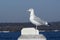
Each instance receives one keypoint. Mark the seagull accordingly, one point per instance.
(36, 20)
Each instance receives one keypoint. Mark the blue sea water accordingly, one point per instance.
(15, 35)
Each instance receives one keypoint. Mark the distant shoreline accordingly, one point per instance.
(19, 26)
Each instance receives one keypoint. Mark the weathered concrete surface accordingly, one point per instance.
(31, 34)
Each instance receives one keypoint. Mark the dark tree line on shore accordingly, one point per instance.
(18, 26)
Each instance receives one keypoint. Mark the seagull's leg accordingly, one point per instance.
(36, 26)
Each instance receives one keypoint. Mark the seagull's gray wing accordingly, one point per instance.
(39, 20)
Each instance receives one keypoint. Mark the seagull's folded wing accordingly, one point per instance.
(39, 20)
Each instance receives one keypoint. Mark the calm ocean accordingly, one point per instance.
(15, 35)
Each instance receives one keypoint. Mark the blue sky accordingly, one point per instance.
(15, 10)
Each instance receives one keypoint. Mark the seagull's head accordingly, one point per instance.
(31, 9)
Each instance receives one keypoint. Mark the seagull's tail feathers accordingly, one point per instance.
(47, 24)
